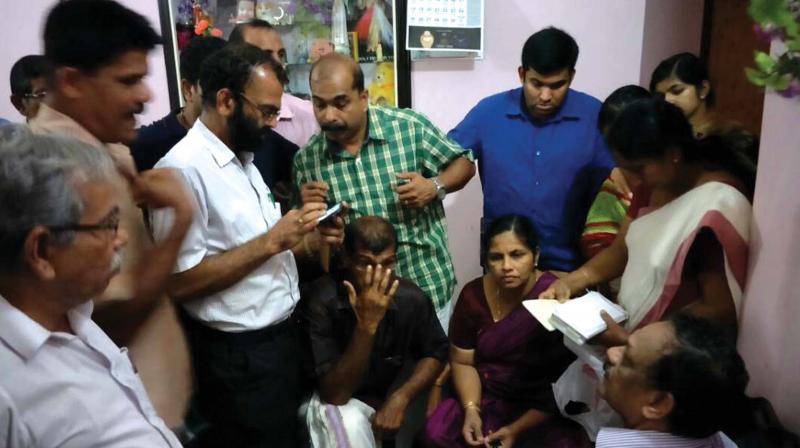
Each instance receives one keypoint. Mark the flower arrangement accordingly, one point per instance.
(777, 19)
(203, 21)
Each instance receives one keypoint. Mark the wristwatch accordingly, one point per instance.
(440, 190)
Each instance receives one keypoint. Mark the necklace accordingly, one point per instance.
(496, 306)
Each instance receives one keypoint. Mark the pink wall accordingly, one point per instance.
(21, 34)
(670, 27)
(615, 39)
(770, 333)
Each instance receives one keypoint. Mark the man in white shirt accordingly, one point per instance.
(676, 383)
(296, 121)
(63, 382)
(236, 275)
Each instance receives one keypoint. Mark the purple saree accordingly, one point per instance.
(517, 360)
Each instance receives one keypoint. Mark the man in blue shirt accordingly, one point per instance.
(539, 151)
(156, 139)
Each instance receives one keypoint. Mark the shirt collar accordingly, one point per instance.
(26, 336)
(568, 111)
(613, 437)
(287, 107)
(374, 132)
(221, 153)
(50, 120)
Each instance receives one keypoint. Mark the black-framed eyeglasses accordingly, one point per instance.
(35, 95)
(269, 112)
(110, 226)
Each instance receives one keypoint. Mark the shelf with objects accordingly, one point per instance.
(370, 31)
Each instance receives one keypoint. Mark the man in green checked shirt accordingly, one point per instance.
(387, 162)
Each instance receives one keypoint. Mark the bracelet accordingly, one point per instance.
(472, 405)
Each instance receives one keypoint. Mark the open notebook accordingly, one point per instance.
(579, 319)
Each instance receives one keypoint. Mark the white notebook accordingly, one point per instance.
(579, 319)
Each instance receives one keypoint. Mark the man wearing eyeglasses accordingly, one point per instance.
(236, 276)
(29, 84)
(63, 382)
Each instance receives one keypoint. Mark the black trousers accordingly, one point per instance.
(247, 385)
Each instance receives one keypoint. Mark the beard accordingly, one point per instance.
(245, 133)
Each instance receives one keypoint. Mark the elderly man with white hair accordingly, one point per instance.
(63, 382)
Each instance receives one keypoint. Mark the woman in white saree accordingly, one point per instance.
(690, 254)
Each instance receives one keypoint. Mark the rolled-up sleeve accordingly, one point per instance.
(437, 150)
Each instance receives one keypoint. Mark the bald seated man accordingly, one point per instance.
(363, 324)
(387, 162)
(675, 383)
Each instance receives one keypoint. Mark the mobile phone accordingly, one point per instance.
(331, 214)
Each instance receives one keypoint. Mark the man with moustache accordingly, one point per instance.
(392, 163)
(98, 51)
(236, 276)
(363, 325)
(675, 383)
(63, 382)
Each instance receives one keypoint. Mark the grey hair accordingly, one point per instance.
(39, 180)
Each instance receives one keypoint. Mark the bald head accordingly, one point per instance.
(337, 67)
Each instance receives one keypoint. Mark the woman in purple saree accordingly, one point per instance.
(503, 361)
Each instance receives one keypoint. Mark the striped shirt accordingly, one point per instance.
(632, 438)
(398, 140)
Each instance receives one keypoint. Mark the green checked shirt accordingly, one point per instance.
(398, 140)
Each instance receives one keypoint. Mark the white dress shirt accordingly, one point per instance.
(633, 438)
(71, 390)
(234, 206)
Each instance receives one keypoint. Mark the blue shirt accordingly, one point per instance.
(549, 170)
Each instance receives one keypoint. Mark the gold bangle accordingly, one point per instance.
(472, 405)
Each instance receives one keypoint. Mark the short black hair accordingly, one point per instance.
(704, 374)
(231, 68)
(237, 34)
(687, 68)
(195, 53)
(28, 68)
(89, 34)
(549, 51)
(616, 102)
(372, 233)
(519, 225)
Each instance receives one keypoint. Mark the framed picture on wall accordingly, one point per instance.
(370, 31)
